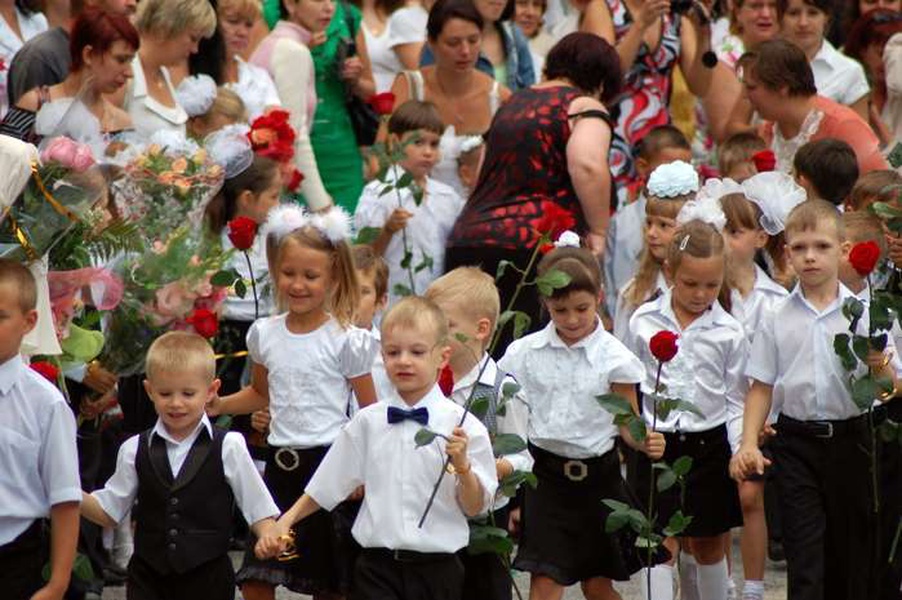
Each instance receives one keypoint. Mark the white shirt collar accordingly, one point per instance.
(764, 282)
(10, 371)
(827, 54)
(713, 317)
(433, 396)
(160, 429)
(841, 296)
(488, 374)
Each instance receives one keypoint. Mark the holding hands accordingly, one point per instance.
(748, 461)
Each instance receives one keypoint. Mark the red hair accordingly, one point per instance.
(874, 27)
(99, 30)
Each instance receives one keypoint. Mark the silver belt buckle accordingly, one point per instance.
(287, 459)
(827, 434)
(576, 470)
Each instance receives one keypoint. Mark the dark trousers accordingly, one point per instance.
(21, 563)
(213, 580)
(825, 499)
(378, 575)
(485, 575)
(888, 575)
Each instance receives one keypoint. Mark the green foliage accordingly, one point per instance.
(87, 241)
(889, 214)
(677, 524)
(368, 235)
(81, 569)
(841, 346)
(853, 310)
(550, 281)
(665, 406)
(521, 322)
(401, 290)
(480, 407)
(507, 443)
(487, 539)
(426, 263)
(424, 437)
(868, 388)
(509, 485)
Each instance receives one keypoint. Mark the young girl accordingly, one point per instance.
(562, 368)
(306, 361)
(708, 371)
(209, 108)
(669, 187)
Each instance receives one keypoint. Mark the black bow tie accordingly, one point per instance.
(397, 415)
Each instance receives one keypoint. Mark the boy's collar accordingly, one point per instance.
(160, 429)
(10, 371)
(488, 374)
(433, 395)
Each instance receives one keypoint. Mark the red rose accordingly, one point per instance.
(765, 160)
(553, 220)
(272, 136)
(663, 345)
(294, 180)
(382, 103)
(205, 322)
(446, 380)
(242, 231)
(864, 257)
(47, 370)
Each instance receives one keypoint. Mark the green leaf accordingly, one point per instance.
(860, 347)
(852, 310)
(682, 466)
(889, 431)
(652, 541)
(666, 480)
(677, 524)
(404, 181)
(615, 404)
(462, 338)
(550, 281)
(424, 437)
(81, 569)
(864, 391)
(240, 288)
(637, 429)
(401, 290)
(616, 521)
(417, 193)
(615, 505)
(878, 342)
(507, 443)
(386, 190)
(368, 235)
(638, 521)
(224, 278)
(841, 342)
(504, 317)
(407, 260)
(502, 267)
(426, 263)
(479, 407)
(485, 539)
(880, 312)
(521, 324)
(512, 482)
(510, 389)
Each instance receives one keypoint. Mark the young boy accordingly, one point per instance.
(734, 156)
(824, 475)
(400, 559)
(877, 186)
(372, 273)
(186, 476)
(827, 169)
(663, 144)
(469, 299)
(38, 457)
(422, 225)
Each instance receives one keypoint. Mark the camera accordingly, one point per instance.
(680, 7)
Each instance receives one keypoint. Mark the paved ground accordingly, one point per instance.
(775, 585)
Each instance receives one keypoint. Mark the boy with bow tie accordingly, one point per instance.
(377, 449)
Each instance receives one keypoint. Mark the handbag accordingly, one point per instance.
(364, 119)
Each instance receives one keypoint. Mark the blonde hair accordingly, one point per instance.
(649, 267)
(876, 186)
(470, 290)
(180, 352)
(699, 240)
(169, 18)
(737, 149)
(18, 275)
(863, 226)
(419, 314)
(810, 215)
(344, 296)
(248, 8)
(367, 261)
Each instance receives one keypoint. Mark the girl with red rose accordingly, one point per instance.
(708, 372)
(562, 368)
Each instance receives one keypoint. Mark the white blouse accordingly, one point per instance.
(750, 310)
(149, 115)
(308, 377)
(407, 26)
(30, 26)
(255, 88)
(708, 370)
(385, 63)
(560, 383)
(837, 76)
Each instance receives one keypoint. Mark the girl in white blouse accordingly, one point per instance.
(708, 371)
(562, 369)
(306, 362)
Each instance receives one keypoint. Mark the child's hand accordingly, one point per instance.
(765, 434)
(654, 445)
(746, 462)
(876, 360)
(456, 448)
(357, 494)
(260, 420)
(397, 220)
(893, 247)
(513, 523)
(273, 542)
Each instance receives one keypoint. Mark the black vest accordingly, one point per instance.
(186, 522)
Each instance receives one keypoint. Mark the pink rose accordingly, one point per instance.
(68, 153)
(172, 301)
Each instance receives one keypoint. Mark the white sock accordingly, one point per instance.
(661, 583)
(688, 577)
(753, 590)
(712, 581)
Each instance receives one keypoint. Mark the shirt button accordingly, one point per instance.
(171, 547)
(173, 532)
(173, 501)
(175, 516)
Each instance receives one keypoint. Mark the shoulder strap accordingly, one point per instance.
(415, 84)
(495, 97)
(594, 113)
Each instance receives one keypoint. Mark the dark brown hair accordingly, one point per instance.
(579, 264)
(366, 260)
(882, 185)
(414, 115)
(778, 63)
(588, 62)
(830, 166)
(445, 10)
(256, 179)
(825, 6)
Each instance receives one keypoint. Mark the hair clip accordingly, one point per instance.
(567, 239)
(684, 242)
(704, 209)
(196, 94)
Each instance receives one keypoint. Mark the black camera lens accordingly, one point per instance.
(680, 7)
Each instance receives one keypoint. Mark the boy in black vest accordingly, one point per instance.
(186, 476)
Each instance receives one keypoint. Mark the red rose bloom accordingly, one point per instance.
(446, 380)
(553, 220)
(864, 257)
(293, 180)
(205, 322)
(382, 103)
(663, 345)
(765, 160)
(47, 370)
(272, 136)
(242, 231)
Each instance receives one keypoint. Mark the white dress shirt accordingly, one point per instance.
(837, 76)
(119, 493)
(793, 352)
(10, 43)
(560, 383)
(708, 370)
(384, 62)
(407, 25)
(381, 382)
(427, 230)
(399, 476)
(623, 246)
(625, 310)
(751, 309)
(38, 458)
(148, 115)
(515, 419)
(308, 377)
(255, 88)
(242, 309)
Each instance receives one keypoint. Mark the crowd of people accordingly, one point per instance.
(397, 297)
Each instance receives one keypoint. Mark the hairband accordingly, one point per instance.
(231, 149)
(196, 94)
(704, 209)
(334, 224)
(776, 194)
(568, 239)
(672, 180)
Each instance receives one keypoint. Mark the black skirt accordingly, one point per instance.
(710, 497)
(563, 521)
(326, 550)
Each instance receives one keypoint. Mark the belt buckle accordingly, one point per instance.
(576, 470)
(292, 463)
(828, 434)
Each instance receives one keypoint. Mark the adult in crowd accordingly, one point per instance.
(651, 41)
(546, 152)
(407, 32)
(529, 17)
(44, 59)
(750, 23)
(589, 16)
(103, 48)
(504, 53)
(285, 56)
(866, 43)
(383, 59)
(779, 84)
(466, 98)
(170, 32)
(838, 77)
(18, 24)
(892, 60)
(852, 10)
(221, 56)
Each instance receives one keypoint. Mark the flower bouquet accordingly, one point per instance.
(62, 188)
(172, 285)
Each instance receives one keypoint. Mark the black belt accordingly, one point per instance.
(408, 556)
(891, 410)
(577, 470)
(708, 435)
(821, 429)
